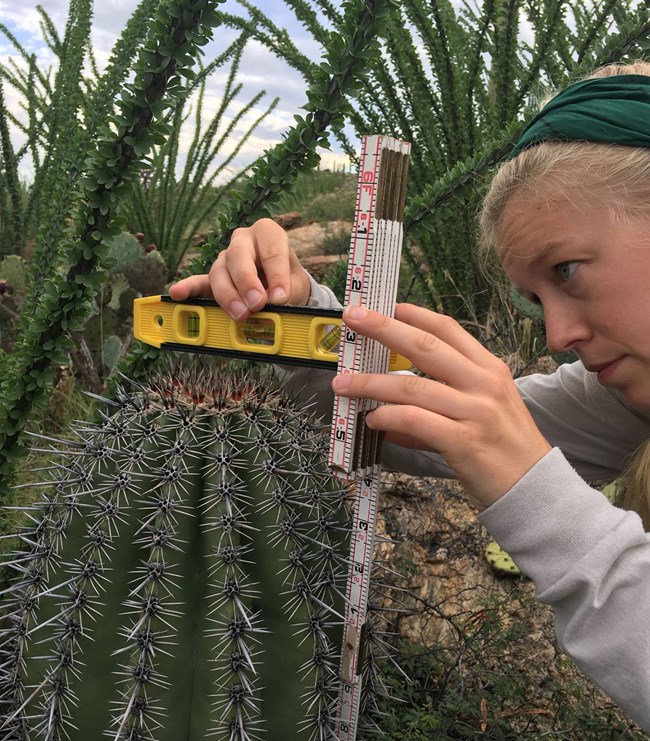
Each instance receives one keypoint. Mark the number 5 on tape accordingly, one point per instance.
(373, 271)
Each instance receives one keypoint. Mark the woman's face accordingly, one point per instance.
(590, 271)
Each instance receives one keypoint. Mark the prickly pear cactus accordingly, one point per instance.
(183, 575)
(124, 250)
(111, 351)
(524, 306)
(14, 272)
(149, 275)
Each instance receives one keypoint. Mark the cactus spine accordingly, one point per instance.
(182, 575)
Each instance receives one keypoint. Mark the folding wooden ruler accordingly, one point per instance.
(373, 272)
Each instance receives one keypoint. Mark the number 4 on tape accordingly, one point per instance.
(373, 272)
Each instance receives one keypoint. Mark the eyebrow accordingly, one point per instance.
(542, 253)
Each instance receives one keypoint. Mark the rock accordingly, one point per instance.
(319, 265)
(290, 220)
(311, 240)
(436, 545)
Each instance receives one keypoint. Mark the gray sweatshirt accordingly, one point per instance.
(588, 559)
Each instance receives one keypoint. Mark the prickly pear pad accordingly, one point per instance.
(183, 575)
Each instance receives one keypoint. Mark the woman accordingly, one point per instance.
(568, 216)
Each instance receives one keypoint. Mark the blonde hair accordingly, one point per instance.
(613, 176)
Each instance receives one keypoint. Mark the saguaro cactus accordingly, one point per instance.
(182, 576)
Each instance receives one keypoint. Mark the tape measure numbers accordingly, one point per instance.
(373, 272)
(317, 337)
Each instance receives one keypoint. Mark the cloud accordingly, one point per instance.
(259, 70)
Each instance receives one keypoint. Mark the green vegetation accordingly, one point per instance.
(110, 214)
(122, 143)
(321, 195)
(455, 80)
(170, 210)
(350, 54)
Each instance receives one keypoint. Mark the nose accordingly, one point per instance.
(565, 328)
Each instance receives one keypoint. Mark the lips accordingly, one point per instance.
(597, 367)
(604, 370)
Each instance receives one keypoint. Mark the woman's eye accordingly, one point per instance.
(566, 269)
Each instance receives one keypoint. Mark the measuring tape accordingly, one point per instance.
(293, 335)
(310, 337)
(373, 271)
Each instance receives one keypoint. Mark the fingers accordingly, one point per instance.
(472, 413)
(219, 286)
(404, 390)
(195, 286)
(459, 363)
(235, 282)
(446, 329)
(255, 269)
(395, 419)
(273, 255)
(258, 267)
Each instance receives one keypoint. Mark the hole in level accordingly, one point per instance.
(329, 338)
(259, 331)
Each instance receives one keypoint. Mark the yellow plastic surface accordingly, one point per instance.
(272, 333)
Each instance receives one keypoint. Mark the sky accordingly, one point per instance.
(259, 70)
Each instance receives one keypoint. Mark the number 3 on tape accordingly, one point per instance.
(373, 272)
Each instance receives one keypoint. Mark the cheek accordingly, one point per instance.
(628, 313)
(616, 307)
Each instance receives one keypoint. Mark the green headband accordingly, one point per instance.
(615, 110)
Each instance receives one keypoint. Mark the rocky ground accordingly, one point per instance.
(313, 243)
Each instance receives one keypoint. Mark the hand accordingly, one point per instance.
(468, 410)
(257, 267)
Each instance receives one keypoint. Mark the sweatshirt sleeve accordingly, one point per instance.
(590, 561)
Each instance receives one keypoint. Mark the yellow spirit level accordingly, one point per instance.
(292, 335)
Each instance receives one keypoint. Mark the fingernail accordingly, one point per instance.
(341, 382)
(252, 298)
(355, 312)
(237, 309)
(278, 294)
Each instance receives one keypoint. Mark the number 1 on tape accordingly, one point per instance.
(373, 272)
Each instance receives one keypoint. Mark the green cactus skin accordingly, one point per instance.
(524, 306)
(111, 351)
(124, 250)
(14, 271)
(100, 326)
(148, 276)
(183, 575)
